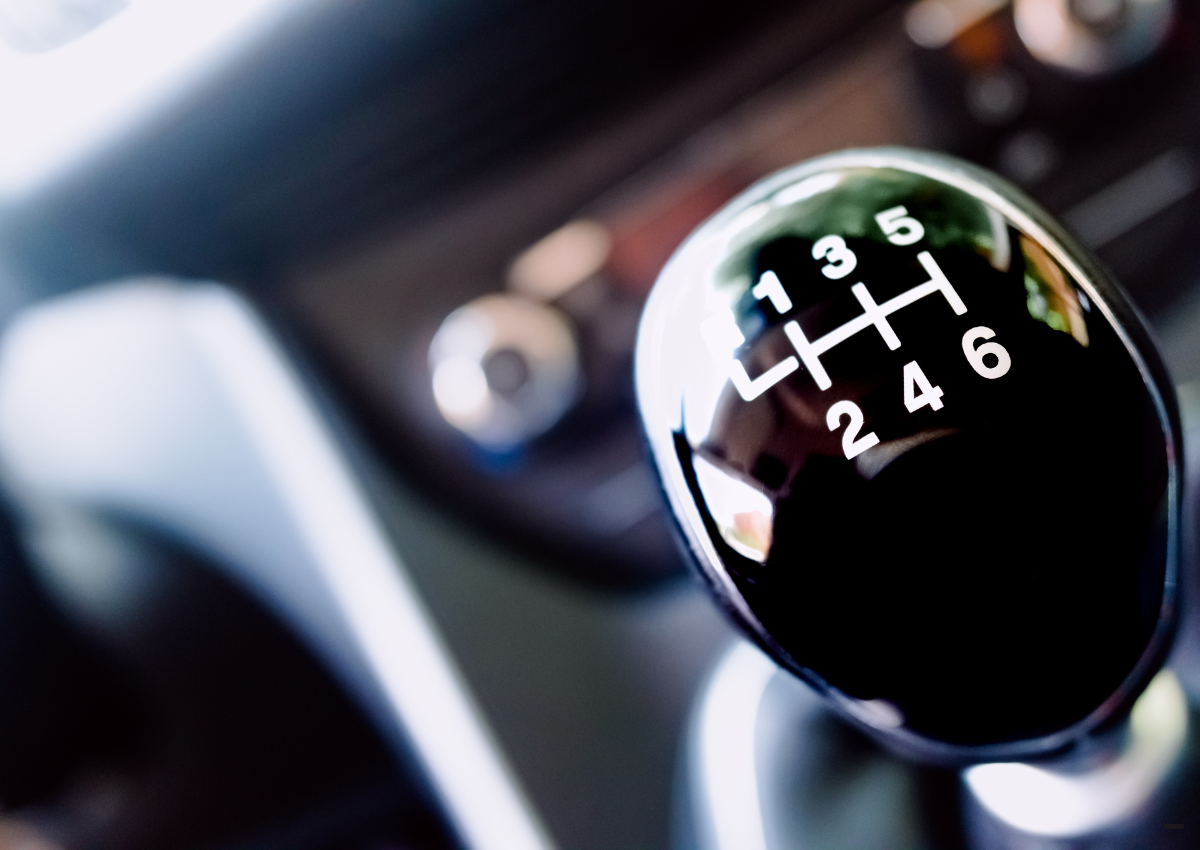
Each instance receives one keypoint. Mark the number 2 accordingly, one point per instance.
(841, 259)
(914, 379)
(852, 444)
(899, 227)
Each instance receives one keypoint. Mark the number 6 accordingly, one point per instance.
(899, 227)
(852, 444)
(975, 354)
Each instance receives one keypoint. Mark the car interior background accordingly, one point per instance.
(245, 252)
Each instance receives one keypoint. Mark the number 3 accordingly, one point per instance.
(852, 444)
(841, 259)
(899, 227)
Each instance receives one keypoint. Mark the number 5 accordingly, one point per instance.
(899, 227)
(852, 444)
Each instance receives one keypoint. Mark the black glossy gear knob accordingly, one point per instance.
(922, 449)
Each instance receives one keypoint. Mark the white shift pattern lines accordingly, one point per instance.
(719, 335)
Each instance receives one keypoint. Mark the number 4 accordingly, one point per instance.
(914, 379)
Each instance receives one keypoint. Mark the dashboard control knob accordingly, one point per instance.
(922, 450)
(504, 370)
(1092, 37)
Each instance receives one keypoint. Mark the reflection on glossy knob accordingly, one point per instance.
(921, 449)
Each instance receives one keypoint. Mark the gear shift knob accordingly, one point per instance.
(922, 450)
